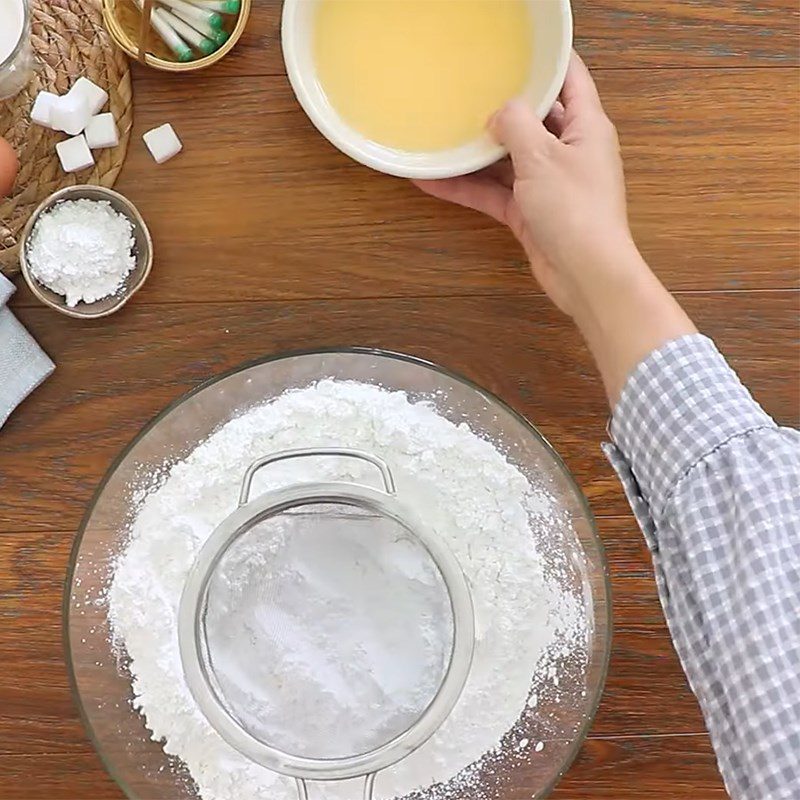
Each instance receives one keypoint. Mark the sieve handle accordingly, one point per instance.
(388, 480)
(369, 788)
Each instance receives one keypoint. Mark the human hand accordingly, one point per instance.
(561, 192)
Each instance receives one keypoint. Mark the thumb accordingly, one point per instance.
(522, 133)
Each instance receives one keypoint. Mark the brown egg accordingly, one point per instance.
(9, 164)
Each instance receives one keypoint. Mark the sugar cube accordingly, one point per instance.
(101, 132)
(70, 113)
(95, 97)
(42, 107)
(74, 154)
(163, 143)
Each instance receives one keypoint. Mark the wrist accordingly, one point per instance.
(624, 313)
(614, 273)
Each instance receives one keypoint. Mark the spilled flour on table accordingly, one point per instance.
(500, 527)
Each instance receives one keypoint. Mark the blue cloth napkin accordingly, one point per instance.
(23, 364)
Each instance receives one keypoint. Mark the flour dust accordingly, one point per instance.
(499, 525)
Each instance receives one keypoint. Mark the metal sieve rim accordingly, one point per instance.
(274, 502)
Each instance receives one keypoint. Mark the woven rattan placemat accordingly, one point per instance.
(69, 41)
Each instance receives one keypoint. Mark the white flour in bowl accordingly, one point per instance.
(350, 608)
(82, 249)
(489, 514)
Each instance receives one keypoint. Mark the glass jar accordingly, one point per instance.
(17, 68)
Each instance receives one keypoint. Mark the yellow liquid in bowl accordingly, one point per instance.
(421, 75)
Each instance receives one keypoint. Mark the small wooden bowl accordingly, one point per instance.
(123, 20)
(142, 250)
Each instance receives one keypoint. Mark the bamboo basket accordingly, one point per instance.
(131, 30)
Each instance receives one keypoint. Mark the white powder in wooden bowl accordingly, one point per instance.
(82, 249)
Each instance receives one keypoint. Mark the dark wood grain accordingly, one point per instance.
(76, 776)
(303, 220)
(656, 768)
(118, 373)
(617, 34)
(268, 239)
(681, 33)
(644, 668)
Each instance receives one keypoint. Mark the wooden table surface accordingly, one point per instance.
(268, 239)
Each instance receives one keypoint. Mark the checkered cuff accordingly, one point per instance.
(680, 404)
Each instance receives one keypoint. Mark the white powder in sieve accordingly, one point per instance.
(347, 605)
(468, 492)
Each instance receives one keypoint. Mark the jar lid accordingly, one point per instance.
(256, 558)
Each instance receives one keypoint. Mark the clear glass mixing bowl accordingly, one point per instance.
(99, 675)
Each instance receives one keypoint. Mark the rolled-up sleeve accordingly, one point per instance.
(715, 486)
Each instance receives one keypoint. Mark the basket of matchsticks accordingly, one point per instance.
(176, 35)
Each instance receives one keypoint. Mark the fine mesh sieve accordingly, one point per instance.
(272, 582)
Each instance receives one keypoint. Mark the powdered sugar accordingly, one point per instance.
(82, 249)
(482, 506)
(331, 616)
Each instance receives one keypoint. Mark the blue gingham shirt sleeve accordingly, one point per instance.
(715, 486)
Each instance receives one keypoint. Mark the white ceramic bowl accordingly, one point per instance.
(552, 43)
